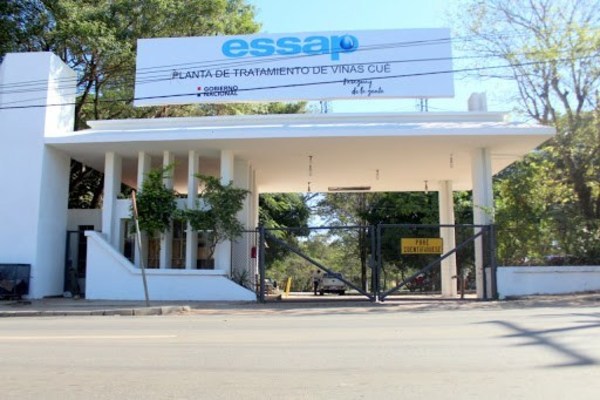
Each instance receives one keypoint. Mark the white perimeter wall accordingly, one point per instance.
(111, 276)
(523, 281)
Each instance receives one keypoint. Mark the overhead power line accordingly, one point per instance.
(221, 63)
(226, 62)
(374, 78)
(35, 85)
(128, 81)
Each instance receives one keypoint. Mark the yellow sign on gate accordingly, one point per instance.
(421, 245)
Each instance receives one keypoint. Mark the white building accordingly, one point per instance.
(445, 151)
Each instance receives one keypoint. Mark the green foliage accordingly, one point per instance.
(156, 204)
(216, 210)
(280, 211)
(548, 205)
(522, 206)
(20, 21)
(348, 250)
(321, 247)
(403, 208)
(242, 278)
(248, 108)
(98, 39)
(538, 217)
(85, 186)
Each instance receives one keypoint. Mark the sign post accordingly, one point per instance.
(139, 245)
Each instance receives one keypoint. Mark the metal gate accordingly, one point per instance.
(474, 253)
(381, 251)
(364, 282)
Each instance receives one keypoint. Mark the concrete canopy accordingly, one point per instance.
(386, 152)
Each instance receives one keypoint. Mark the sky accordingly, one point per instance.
(290, 16)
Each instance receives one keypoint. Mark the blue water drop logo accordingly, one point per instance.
(347, 42)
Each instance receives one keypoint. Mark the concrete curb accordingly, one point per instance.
(138, 311)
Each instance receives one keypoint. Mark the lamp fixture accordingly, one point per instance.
(451, 160)
(348, 188)
(426, 188)
(310, 172)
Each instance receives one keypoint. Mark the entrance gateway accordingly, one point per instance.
(393, 264)
(261, 153)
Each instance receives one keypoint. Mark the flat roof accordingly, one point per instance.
(387, 152)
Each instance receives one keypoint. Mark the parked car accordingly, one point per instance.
(331, 283)
(271, 286)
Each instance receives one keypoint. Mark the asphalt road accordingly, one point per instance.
(327, 353)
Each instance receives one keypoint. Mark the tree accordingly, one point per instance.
(156, 203)
(19, 20)
(98, 39)
(365, 209)
(521, 214)
(216, 211)
(552, 49)
(280, 211)
(350, 209)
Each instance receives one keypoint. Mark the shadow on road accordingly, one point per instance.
(539, 338)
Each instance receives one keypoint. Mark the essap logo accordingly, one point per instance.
(291, 45)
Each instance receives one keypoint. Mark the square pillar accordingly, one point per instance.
(166, 239)
(35, 176)
(144, 165)
(448, 265)
(112, 188)
(483, 205)
(223, 250)
(191, 236)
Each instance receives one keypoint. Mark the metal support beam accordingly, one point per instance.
(261, 263)
(432, 264)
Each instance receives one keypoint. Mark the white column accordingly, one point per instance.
(483, 204)
(223, 250)
(241, 247)
(166, 239)
(448, 265)
(112, 187)
(144, 165)
(191, 237)
(254, 221)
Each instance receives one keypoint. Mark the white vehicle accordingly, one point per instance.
(331, 283)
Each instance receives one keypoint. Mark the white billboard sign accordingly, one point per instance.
(407, 63)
